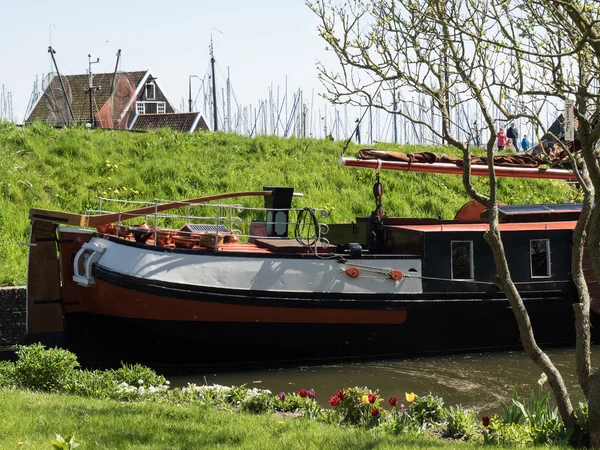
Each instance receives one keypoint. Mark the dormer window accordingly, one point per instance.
(150, 91)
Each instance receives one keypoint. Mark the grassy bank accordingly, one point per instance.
(45, 393)
(67, 169)
(34, 419)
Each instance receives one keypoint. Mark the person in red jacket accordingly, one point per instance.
(501, 139)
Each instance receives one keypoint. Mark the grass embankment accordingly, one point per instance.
(35, 418)
(67, 169)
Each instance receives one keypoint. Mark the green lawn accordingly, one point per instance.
(34, 419)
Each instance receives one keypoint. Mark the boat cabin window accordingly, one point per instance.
(539, 255)
(462, 260)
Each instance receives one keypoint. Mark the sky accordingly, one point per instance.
(261, 42)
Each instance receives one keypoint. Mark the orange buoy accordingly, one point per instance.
(396, 275)
(353, 271)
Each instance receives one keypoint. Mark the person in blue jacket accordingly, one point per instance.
(525, 144)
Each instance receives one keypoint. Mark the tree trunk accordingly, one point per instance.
(594, 410)
(533, 351)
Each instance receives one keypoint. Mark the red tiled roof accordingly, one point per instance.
(77, 85)
(175, 121)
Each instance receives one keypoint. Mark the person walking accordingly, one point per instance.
(513, 133)
(525, 144)
(501, 136)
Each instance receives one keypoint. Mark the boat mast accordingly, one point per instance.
(214, 85)
(112, 83)
(62, 86)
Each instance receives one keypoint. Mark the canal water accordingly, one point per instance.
(476, 381)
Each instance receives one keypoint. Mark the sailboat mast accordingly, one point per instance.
(214, 86)
(62, 86)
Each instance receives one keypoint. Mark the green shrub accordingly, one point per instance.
(7, 374)
(502, 433)
(401, 422)
(427, 410)
(460, 423)
(354, 408)
(136, 375)
(39, 368)
(96, 384)
(257, 401)
(512, 413)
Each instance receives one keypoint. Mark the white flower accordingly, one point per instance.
(167, 382)
(543, 379)
(140, 381)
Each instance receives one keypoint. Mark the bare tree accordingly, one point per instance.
(512, 59)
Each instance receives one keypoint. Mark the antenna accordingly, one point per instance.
(91, 88)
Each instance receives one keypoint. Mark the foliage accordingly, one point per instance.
(355, 405)
(502, 433)
(461, 423)
(401, 422)
(38, 368)
(137, 374)
(61, 443)
(427, 410)
(38, 171)
(512, 413)
(535, 422)
(535, 417)
(33, 419)
(582, 422)
(7, 374)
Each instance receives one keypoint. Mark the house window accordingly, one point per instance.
(140, 108)
(160, 107)
(462, 260)
(150, 91)
(539, 255)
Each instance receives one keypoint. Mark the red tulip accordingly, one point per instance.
(334, 401)
(485, 420)
(302, 393)
(374, 412)
(341, 394)
(393, 401)
(372, 398)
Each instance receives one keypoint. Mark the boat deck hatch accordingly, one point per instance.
(204, 228)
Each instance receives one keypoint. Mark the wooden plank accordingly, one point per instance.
(285, 245)
(57, 217)
(43, 281)
(82, 220)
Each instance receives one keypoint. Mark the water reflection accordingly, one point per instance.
(476, 381)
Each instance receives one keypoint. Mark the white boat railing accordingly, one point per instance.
(226, 216)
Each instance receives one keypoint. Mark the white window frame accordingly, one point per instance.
(548, 259)
(153, 96)
(140, 108)
(159, 106)
(471, 261)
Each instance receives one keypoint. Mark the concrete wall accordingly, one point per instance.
(12, 315)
